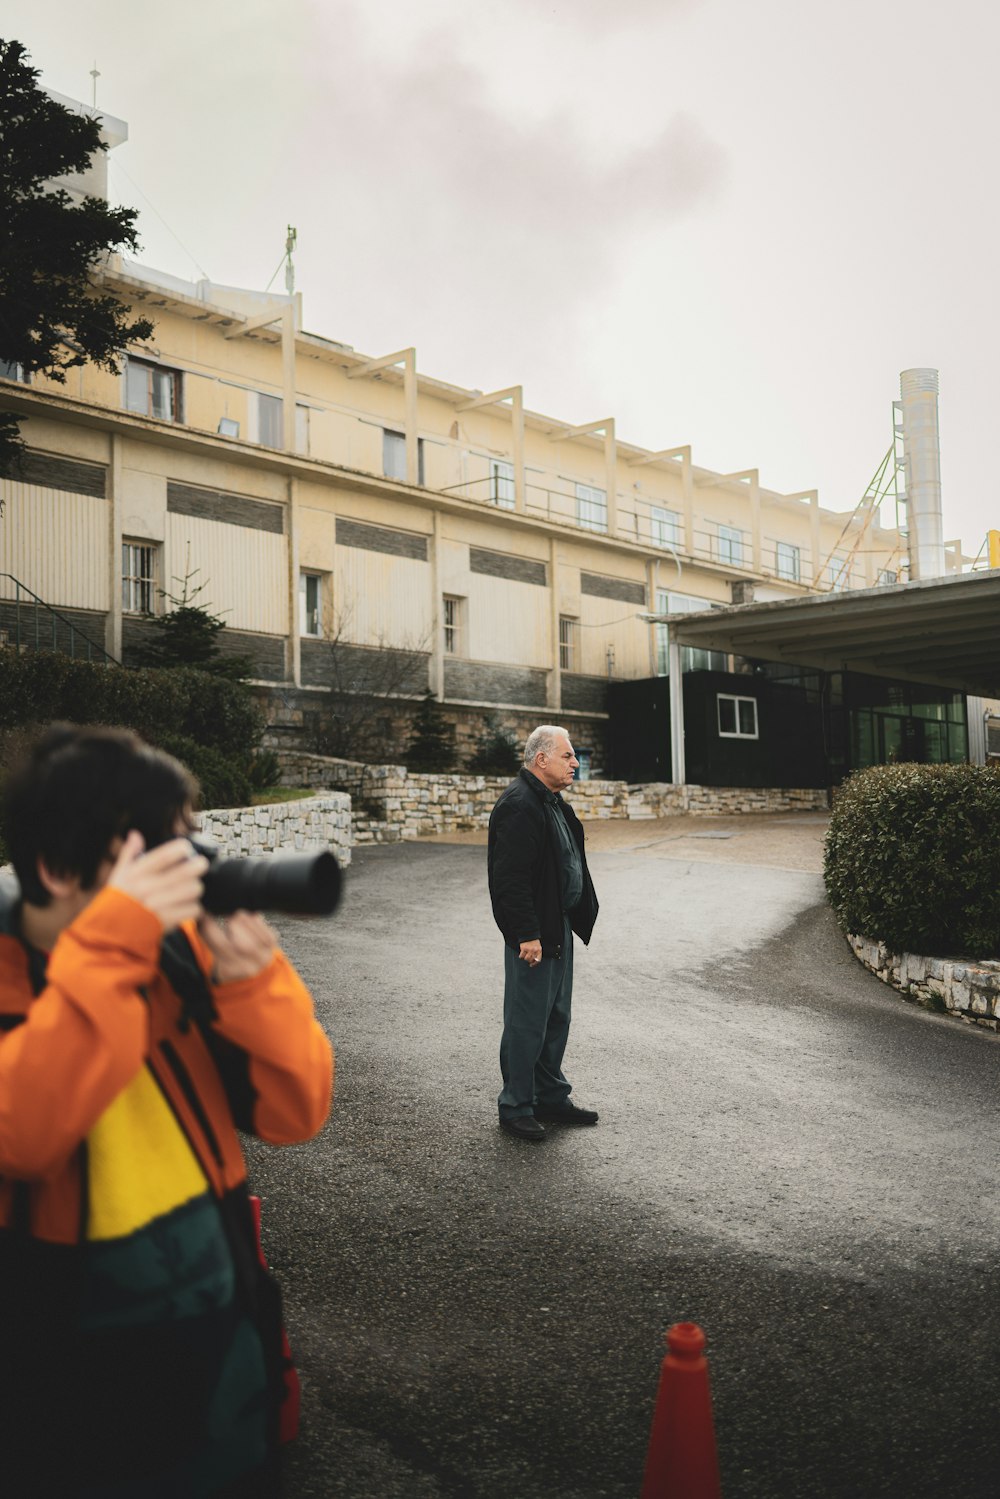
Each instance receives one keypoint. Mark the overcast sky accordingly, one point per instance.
(724, 222)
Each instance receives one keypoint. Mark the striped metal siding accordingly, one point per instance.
(508, 622)
(245, 571)
(380, 599)
(605, 622)
(56, 544)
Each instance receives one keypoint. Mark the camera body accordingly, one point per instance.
(296, 884)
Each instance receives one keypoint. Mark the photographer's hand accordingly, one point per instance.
(242, 948)
(167, 880)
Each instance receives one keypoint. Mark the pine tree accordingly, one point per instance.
(495, 754)
(188, 635)
(432, 738)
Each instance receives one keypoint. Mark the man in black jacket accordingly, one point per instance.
(542, 893)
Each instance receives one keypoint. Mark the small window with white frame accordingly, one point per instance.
(789, 562)
(737, 716)
(664, 527)
(591, 508)
(453, 619)
(567, 642)
(501, 484)
(140, 574)
(311, 604)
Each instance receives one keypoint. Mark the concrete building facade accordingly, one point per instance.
(343, 509)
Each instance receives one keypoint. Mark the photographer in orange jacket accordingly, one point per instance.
(140, 1351)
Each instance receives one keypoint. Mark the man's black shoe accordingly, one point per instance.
(523, 1127)
(566, 1113)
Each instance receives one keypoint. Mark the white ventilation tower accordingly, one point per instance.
(918, 406)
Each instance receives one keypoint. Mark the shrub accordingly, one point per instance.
(39, 686)
(495, 754)
(223, 781)
(913, 858)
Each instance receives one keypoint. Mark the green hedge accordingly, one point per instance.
(39, 686)
(913, 858)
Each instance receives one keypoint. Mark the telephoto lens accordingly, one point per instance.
(296, 884)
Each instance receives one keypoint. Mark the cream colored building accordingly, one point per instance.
(339, 501)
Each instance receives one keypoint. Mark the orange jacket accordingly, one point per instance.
(105, 1011)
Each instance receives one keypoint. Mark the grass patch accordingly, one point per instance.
(282, 794)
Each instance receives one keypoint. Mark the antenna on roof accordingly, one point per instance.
(293, 235)
(94, 75)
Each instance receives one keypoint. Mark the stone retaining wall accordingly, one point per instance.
(387, 797)
(969, 990)
(313, 822)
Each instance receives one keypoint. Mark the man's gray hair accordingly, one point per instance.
(542, 741)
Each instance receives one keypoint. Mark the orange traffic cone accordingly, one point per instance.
(681, 1462)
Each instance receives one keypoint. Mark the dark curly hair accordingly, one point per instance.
(77, 790)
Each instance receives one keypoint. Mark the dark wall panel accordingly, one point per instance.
(502, 565)
(231, 509)
(488, 682)
(622, 589)
(70, 474)
(355, 533)
(585, 694)
(355, 668)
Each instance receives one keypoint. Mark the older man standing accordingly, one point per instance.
(542, 893)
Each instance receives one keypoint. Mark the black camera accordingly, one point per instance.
(297, 884)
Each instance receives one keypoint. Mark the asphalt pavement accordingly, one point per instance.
(789, 1154)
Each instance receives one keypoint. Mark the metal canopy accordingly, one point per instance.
(945, 632)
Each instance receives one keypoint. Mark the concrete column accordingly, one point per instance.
(517, 450)
(817, 559)
(687, 489)
(555, 674)
(678, 772)
(294, 639)
(113, 625)
(755, 547)
(410, 402)
(437, 623)
(288, 379)
(611, 476)
(651, 570)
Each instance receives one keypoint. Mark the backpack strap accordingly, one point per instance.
(181, 969)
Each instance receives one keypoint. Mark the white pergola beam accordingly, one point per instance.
(683, 453)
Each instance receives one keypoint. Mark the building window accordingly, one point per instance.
(394, 456)
(310, 604)
(887, 577)
(139, 577)
(737, 716)
(664, 527)
(692, 657)
(12, 371)
(501, 484)
(730, 546)
(270, 421)
(454, 609)
(267, 422)
(567, 643)
(152, 391)
(591, 508)
(789, 560)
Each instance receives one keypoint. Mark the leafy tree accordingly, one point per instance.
(51, 318)
(189, 636)
(432, 738)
